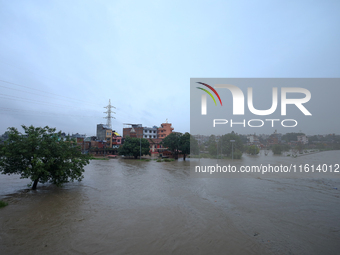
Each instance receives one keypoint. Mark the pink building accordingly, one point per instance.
(116, 138)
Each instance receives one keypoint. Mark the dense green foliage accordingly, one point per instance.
(285, 147)
(194, 147)
(181, 143)
(212, 140)
(252, 150)
(3, 203)
(212, 148)
(291, 136)
(277, 149)
(184, 144)
(224, 146)
(135, 147)
(173, 142)
(227, 145)
(41, 155)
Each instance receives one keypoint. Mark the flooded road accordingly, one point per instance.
(136, 207)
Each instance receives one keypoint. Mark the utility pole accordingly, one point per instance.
(84, 144)
(232, 149)
(109, 116)
(221, 146)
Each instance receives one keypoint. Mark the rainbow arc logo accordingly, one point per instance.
(212, 89)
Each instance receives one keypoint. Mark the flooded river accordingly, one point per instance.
(136, 207)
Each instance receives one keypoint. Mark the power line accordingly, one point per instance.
(42, 92)
(31, 112)
(34, 101)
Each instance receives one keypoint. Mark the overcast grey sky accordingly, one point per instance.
(71, 57)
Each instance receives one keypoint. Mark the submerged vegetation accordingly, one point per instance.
(94, 158)
(3, 203)
(165, 160)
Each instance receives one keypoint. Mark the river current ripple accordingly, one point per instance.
(137, 207)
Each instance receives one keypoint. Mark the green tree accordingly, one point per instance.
(194, 146)
(212, 149)
(286, 147)
(238, 154)
(212, 140)
(172, 142)
(188, 144)
(253, 150)
(291, 136)
(135, 147)
(277, 149)
(40, 154)
(227, 145)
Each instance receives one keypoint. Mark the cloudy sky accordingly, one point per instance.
(61, 61)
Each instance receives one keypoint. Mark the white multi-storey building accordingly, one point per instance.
(150, 133)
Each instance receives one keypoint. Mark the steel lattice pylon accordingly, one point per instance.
(109, 112)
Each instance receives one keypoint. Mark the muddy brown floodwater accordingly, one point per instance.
(135, 207)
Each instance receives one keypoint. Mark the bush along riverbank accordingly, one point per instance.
(3, 203)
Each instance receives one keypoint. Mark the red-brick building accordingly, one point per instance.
(154, 135)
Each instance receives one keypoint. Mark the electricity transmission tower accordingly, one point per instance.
(109, 112)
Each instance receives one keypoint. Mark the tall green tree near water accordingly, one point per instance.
(172, 142)
(181, 143)
(135, 147)
(193, 143)
(277, 149)
(188, 144)
(227, 146)
(41, 155)
(212, 148)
